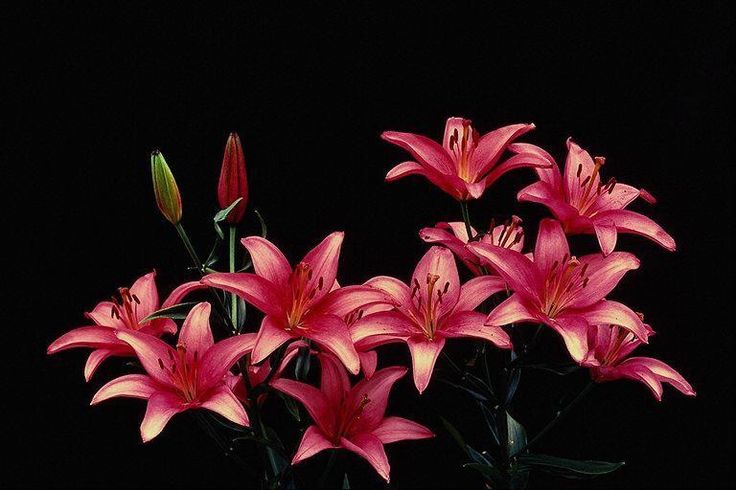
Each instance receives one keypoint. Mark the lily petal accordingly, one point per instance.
(95, 359)
(260, 292)
(608, 312)
(322, 261)
(216, 362)
(334, 382)
(268, 261)
(314, 401)
(129, 386)
(145, 290)
(332, 333)
(477, 290)
(313, 442)
(394, 429)
(551, 245)
(426, 151)
(515, 268)
(369, 447)
(94, 337)
(492, 145)
(368, 362)
(221, 400)
(437, 270)
(652, 372)
(630, 222)
(605, 231)
(344, 301)
(389, 323)
(424, 354)
(574, 332)
(471, 324)
(196, 335)
(150, 351)
(513, 309)
(161, 407)
(377, 390)
(604, 273)
(270, 337)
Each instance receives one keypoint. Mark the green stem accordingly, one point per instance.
(466, 219)
(233, 297)
(219, 305)
(560, 415)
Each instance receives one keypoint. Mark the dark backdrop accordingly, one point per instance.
(94, 88)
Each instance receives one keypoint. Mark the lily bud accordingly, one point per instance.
(167, 194)
(233, 182)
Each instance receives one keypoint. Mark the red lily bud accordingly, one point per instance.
(167, 194)
(233, 180)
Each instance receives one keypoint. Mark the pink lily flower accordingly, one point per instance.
(128, 313)
(466, 164)
(454, 235)
(193, 375)
(305, 302)
(584, 203)
(351, 418)
(559, 290)
(610, 346)
(431, 309)
(257, 374)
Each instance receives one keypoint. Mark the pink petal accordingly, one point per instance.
(181, 291)
(542, 193)
(161, 407)
(427, 152)
(399, 291)
(577, 158)
(316, 403)
(94, 337)
(471, 324)
(450, 183)
(313, 442)
(268, 261)
(394, 429)
(447, 235)
(551, 246)
(404, 169)
(492, 145)
(652, 372)
(603, 273)
(574, 331)
(322, 261)
(513, 310)
(102, 315)
(614, 313)
(369, 447)
(389, 323)
(605, 231)
(424, 354)
(196, 335)
(438, 264)
(145, 290)
(260, 292)
(150, 351)
(515, 268)
(216, 362)
(95, 359)
(522, 160)
(344, 301)
(547, 169)
(334, 382)
(331, 333)
(477, 290)
(129, 386)
(221, 400)
(270, 337)
(376, 390)
(618, 198)
(368, 362)
(631, 222)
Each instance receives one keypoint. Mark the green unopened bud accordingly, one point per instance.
(167, 194)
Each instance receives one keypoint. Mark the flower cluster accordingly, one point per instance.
(308, 316)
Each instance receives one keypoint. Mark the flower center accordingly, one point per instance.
(564, 281)
(509, 235)
(302, 294)
(126, 310)
(462, 146)
(585, 200)
(351, 418)
(428, 305)
(183, 373)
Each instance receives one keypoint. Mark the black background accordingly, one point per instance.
(309, 88)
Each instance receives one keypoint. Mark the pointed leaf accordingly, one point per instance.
(569, 468)
(489, 473)
(175, 312)
(515, 435)
(264, 228)
(222, 216)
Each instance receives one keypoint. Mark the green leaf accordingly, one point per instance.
(491, 422)
(569, 468)
(473, 393)
(242, 310)
(212, 258)
(264, 228)
(345, 482)
(222, 216)
(455, 434)
(176, 312)
(515, 435)
(303, 363)
(292, 408)
(559, 369)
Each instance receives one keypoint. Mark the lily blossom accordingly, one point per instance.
(454, 235)
(611, 345)
(584, 203)
(351, 418)
(433, 308)
(304, 302)
(126, 313)
(559, 290)
(466, 163)
(258, 374)
(192, 375)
